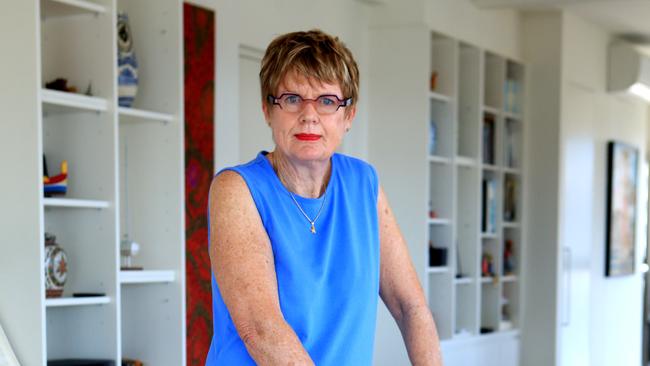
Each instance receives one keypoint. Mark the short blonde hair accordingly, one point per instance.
(314, 55)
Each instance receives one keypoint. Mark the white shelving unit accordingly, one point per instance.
(74, 203)
(145, 115)
(62, 8)
(77, 301)
(55, 99)
(142, 277)
(478, 136)
(135, 315)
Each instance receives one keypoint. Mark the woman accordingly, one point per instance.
(297, 233)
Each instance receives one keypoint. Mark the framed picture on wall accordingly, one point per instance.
(622, 163)
(7, 356)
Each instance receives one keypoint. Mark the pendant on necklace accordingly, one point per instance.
(313, 228)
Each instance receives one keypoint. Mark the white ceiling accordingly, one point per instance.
(620, 17)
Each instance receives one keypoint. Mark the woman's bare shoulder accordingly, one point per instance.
(229, 186)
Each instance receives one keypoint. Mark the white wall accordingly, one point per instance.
(542, 42)
(20, 158)
(494, 30)
(590, 319)
(615, 304)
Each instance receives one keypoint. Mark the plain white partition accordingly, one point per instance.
(399, 139)
(22, 310)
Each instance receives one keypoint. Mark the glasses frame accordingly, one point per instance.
(342, 102)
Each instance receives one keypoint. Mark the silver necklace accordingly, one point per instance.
(313, 228)
(312, 222)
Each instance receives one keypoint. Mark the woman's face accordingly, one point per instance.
(307, 135)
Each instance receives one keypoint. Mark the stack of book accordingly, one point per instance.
(489, 134)
(489, 206)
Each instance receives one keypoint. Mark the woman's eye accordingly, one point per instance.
(327, 101)
(292, 99)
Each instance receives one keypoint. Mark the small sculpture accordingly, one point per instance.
(129, 249)
(58, 184)
(60, 84)
(487, 269)
(56, 267)
(127, 64)
(508, 258)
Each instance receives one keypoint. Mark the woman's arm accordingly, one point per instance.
(400, 290)
(243, 265)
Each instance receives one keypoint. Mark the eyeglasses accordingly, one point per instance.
(324, 104)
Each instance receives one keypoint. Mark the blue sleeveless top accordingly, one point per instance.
(328, 282)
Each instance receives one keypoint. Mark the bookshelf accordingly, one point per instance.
(138, 314)
(467, 173)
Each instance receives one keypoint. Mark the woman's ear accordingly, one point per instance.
(267, 112)
(349, 117)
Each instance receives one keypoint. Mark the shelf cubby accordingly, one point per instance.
(492, 248)
(512, 246)
(490, 204)
(83, 331)
(466, 309)
(494, 75)
(443, 64)
(512, 144)
(440, 302)
(440, 191)
(513, 89)
(510, 306)
(467, 216)
(469, 79)
(78, 48)
(490, 307)
(511, 198)
(66, 8)
(441, 129)
(151, 187)
(490, 140)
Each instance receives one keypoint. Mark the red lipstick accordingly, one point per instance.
(307, 137)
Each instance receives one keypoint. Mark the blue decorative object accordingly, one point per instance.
(433, 136)
(127, 64)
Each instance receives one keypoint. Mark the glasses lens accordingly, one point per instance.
(291, 102)
(327, 104)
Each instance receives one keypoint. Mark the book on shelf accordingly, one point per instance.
(511, 94)
(488, 138)
(510, 199)
(488, 206)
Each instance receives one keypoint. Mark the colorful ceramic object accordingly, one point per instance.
(127, 64)
(56, 267)
(58, 184)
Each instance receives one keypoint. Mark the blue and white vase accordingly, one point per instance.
(127, 64)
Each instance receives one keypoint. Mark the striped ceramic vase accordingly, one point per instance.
(127, 64)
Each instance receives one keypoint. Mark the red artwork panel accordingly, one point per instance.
(199, 47)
